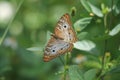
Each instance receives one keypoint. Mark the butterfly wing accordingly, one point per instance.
(56, 47)
(64, 29)
(62, 39)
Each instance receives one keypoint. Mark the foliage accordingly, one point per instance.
(23, 36)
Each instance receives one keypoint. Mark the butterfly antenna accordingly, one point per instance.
(61, 60)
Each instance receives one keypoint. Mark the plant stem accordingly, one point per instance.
(107, 28)
(66, 66)
(10, 22)
(105, 45)
(111, 16)
(61, 60)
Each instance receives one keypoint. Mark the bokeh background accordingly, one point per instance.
(21, 51)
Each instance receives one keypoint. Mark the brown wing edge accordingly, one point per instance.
(47, 58)
(70, 22)
(67, 16)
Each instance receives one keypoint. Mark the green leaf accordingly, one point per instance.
(117, 7)
(85, 4)
(82, 23)
(115, 30)
(5, 69)
(48, 35)
(93, 64)
(83, 35)
(102, 37)
(113, 74)
(35, 49)
(75, 73)
(96, 10)
(90, 74)
(119, 48)
(85, 45)
(115, 70)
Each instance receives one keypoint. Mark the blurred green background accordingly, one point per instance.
(21, 51)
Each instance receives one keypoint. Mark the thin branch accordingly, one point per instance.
(111, 15)
(61, 60)
(107, 28)
(66, 64)
(10, 22)
(105, 42)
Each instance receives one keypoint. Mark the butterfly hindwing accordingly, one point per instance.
(56, 47)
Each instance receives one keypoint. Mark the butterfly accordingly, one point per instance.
(61, 40)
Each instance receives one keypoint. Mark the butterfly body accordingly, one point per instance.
(62, 40)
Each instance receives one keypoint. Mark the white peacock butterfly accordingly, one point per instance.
(62, 40)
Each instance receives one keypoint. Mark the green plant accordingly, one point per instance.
(96, 54)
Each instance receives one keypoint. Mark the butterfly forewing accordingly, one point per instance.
(56, 47)
(64, 29)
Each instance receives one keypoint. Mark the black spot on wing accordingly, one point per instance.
(65, 26)
(53, 50)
